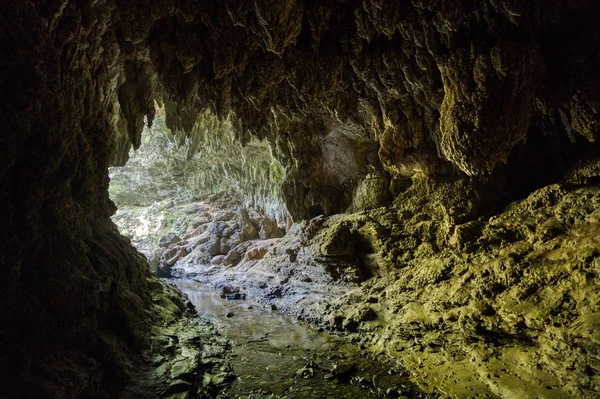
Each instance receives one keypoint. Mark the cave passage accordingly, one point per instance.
(419, 179)
(190, 241)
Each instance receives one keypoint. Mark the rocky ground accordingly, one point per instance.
(187, 358)
(193, 233)
(508, 307)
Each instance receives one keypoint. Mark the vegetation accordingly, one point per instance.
(210, 159)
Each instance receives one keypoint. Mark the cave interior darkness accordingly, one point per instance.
(420, 179)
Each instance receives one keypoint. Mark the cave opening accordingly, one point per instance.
(203, 209)
(180, 191)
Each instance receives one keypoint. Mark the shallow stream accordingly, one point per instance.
(274, 355)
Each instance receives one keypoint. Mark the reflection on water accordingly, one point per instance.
(250, 320)
(275, 355)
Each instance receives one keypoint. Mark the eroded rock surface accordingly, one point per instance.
(449, 109)
(504, 305)
(188, 356)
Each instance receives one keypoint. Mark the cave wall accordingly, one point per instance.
(441, 89)
(73, 291)
(447, 91)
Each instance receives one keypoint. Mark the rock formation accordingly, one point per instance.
(440, 112)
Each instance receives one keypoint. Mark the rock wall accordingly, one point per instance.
(79, 307)
(74, 293)
(509, 308)
(210, 159)
(479, 89)
(460, 97)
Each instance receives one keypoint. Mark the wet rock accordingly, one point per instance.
(177, 389)
(236, 296)
(227, 290)
(183, 367)
(232, 294)
(168, 259)
(178, 368)
(172, 256)
(306, 372)
(343, 369)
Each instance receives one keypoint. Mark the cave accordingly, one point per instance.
(415, 183)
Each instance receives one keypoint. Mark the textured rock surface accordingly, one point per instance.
(74, 293)
(342, 90)
(187, 358)
(507, 308)
(473, 103)
(193, 233)
(209, 160)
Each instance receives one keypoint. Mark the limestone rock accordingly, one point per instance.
(477, 104)
(168, 240)
(339, 241)
(248, 228)
(232, 257)
(217, 260)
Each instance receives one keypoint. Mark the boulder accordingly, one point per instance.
(269, 229)
(247, 226)
(216, 229)
(168, 239)
(256, 253)
(232, 257)
(217, 260)
(338, 241)
(169, 258)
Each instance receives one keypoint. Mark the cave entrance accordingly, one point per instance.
(206, 210)
(191, 199)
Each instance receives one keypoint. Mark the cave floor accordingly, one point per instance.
(274, 355)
